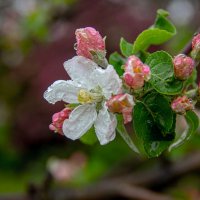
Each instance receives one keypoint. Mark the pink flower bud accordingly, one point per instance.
(121, 103)
(196, 47)
(146, 72)
(196, 41)
(182, 104)
(183, 66)
(134, 80)
(136, 73)
(89, 40)
(58, 119)
(133, 63)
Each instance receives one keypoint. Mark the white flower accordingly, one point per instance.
(91, 86)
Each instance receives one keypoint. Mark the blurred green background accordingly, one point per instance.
(36, 37)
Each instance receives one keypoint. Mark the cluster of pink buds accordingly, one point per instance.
(182, 104)
(90, 44)
(183, 66)
(136, 72)
(58, 119)
(196, 47)
(121, 103)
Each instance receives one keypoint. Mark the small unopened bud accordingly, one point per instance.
(121, 103)
(136, 73)
(90, 44)
(196, 47)
(196, 41)
(134, 80)
(146, 72)
(58, 119)
(182, 104)
(183, 66)
(133, 63)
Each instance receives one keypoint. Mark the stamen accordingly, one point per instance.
(85, 96)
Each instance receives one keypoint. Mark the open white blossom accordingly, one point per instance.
(90, 86)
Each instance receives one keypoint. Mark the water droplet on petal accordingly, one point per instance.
(75, 46)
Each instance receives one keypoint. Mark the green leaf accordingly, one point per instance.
(89, 137)
(154, 123)
(161, 111)
(160, 32)
(193, 123)
(122, 131)
(162, 12)
(125, 47)
(162, 73)
(117, 61)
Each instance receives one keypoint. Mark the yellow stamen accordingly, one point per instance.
(85, 96)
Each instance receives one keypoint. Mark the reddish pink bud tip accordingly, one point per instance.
(196, 41)
(136, 73)
(183, 66)
(182, 104)
(88, 40)
(58, 119)
(196, 47)
(122, 103)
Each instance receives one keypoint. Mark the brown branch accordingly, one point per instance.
(165, 174)
(106, 190)
(13, 197)
(129, 186)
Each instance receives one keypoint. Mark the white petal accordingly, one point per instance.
(60, 90)
(108, 80)
(105, 125)
(80, 121)
(80, 69)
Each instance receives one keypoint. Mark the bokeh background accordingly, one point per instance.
(36, 37)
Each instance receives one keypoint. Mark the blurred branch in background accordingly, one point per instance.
(130, 186)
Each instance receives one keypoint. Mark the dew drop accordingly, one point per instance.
(75, 46)
(154, 146)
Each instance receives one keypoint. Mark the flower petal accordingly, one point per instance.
(105, 125)
(80, 121)
(80, 69)
(108, 80)
(60, 90)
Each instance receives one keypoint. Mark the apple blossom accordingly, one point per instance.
(90, 87)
